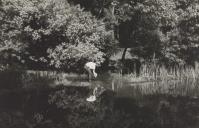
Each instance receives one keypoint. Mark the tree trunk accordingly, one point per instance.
(123, 54)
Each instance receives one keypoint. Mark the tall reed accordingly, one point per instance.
(155, 72)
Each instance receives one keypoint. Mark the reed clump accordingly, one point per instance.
(155, 72)
(159, 79)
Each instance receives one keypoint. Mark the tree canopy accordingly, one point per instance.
(167, 28)
(52, 32)
(66, 33)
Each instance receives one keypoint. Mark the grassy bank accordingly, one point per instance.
(148, 73)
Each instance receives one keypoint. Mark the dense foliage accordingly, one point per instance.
(52, 32)
(166, 30)
(65, 34)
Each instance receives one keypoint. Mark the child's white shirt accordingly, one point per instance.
(91, 65)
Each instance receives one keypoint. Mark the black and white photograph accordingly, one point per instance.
(99, 63)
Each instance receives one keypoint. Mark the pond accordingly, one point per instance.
(157, 104)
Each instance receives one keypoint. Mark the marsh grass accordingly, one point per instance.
(156, 79)
(154, 72)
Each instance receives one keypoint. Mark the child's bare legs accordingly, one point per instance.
(89, 73)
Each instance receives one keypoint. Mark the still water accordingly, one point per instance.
(168, 104)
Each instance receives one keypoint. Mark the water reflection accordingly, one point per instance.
(174, 88)
(122, 87)
(160, 104)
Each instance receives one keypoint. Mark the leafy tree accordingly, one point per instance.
(160, 27)
(54, 32)
(187, 41)
(166, 29)
(178, 38)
